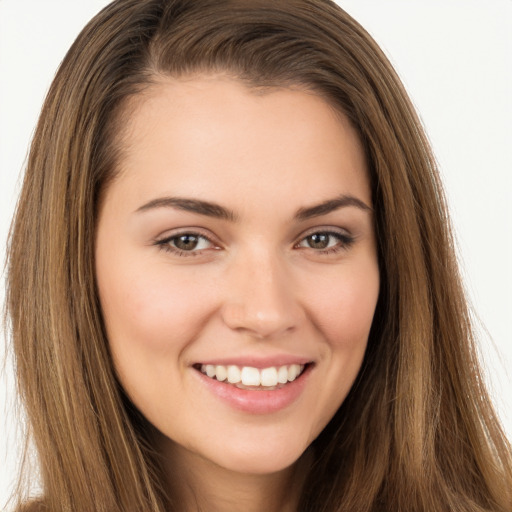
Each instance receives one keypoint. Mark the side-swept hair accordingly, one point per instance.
(417, 431)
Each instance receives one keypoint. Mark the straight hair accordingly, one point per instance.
(417, 431)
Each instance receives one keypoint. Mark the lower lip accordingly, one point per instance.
(257, 401)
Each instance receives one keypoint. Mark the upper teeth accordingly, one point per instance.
(250, 376)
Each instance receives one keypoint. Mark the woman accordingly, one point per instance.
(231, 280)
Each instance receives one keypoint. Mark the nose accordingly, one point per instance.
(261, 298)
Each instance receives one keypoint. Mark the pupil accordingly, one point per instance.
(319, 241)
(186, 242)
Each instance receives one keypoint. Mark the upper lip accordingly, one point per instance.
(257, 361)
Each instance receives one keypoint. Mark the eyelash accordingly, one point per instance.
(165, 244)
(344, 243)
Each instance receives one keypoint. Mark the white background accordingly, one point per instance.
(455, 58)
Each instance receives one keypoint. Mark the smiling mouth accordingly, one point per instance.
(250, 378)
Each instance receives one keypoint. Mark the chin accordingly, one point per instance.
(260, 458)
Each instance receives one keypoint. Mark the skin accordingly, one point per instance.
(255, 286)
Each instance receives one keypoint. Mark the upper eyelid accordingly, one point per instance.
(170, 234)
(343, 238)
(325, 229)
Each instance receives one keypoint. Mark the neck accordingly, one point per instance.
(200, 485)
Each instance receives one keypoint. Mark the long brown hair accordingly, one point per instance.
(417, 431)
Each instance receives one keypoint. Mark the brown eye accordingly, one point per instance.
(319, 240)
(326, 241)
(186, 242)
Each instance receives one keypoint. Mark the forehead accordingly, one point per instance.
(214, 135)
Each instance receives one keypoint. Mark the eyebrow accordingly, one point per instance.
(191, 205)
(215, 210)
(331, 205)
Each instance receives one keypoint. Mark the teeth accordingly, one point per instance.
(249, 376)
(269, 377)
(221, 373)
(282, 375)
(234, 374)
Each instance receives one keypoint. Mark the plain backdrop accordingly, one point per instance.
(455, 58)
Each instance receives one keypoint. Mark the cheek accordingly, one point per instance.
(148, 308)
(342, 310)
(343, 306)
(150, 317)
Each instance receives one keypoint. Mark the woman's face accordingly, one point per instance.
(234, 250)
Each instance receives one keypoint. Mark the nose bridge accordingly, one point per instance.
(260, 298)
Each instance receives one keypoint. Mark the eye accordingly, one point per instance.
(184, 243)
(326, 241)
